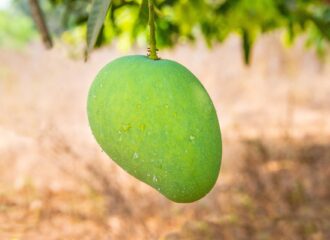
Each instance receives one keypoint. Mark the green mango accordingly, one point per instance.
(155, 120)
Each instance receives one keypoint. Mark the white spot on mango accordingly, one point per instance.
(135, 155)
(154, 179)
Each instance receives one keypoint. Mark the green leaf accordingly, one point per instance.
(142, 18)
(95, 22)
(290, 32)
(247, 44)
(144, 12)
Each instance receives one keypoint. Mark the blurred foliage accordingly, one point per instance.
(14, 34)
(96, 18)
(183, 20)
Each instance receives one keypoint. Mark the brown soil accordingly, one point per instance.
(56, 183)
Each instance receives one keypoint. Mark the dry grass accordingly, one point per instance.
(55, 183)
(276, 195)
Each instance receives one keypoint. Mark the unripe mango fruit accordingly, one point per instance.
(156, 121)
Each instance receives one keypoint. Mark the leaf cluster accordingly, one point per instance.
(186, 20)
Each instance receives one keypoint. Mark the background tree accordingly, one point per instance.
(181, 20)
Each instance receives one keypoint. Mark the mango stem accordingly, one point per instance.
(152, 37)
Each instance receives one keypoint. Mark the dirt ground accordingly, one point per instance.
(56, 183)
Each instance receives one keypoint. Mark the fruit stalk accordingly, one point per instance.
(152, 40)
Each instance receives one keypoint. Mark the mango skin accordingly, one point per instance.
(156, 121)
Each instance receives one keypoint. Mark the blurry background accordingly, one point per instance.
(56, 183)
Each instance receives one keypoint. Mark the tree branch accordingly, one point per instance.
(40, 22)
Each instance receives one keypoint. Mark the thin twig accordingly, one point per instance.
(40, 22)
